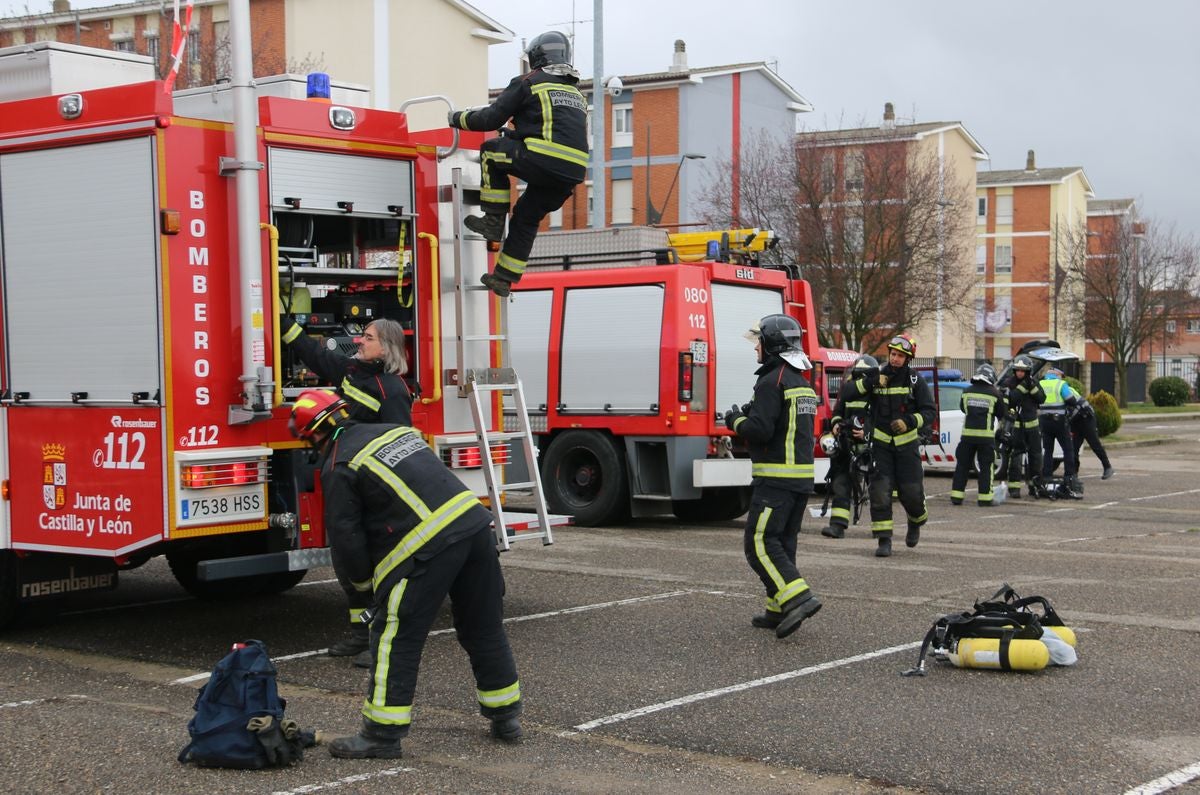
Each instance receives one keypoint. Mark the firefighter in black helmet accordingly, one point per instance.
(402, 525)
(546, 146)
(778, 428)
(982, 403)
(1023, 396)
(901, 405)
(850, 429)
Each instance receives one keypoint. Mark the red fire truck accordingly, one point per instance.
(147, 240)
(631, 354)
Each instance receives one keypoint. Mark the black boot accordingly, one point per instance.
(884, 550)
(766, 620)
(507, 730)
(834, 531)
(372, 741)
(359, 640)
(364, 659)
(1108, 472)
(795, 614)
(913, 535)
(499, 286)
(489, 225)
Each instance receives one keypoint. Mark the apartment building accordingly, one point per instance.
(397, 50)
(662, 127)
(1025, 219)
(941, 156)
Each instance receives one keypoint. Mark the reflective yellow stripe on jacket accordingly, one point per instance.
(551, 149)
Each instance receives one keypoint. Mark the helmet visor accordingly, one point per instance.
(902, 344)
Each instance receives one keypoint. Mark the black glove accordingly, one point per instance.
(452, 118)
(732, 415)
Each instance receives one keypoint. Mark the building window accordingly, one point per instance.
(1193, 327)
(623, 126)
(854, 236)
(981, 259)
(123, 45)
(556, 219)
(981, 213)
(152, 47)
(1170, 327)
(828, 173)
(222, 55)
(193, 46)
(1003, 259)
(1004, 209)
(854, 172)
(622, 201)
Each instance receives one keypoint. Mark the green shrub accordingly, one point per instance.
(1108, 415)
(1169, 391)
(1075, 384)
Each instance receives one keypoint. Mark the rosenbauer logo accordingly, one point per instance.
(118, 422)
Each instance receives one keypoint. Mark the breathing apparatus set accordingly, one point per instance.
(1003, 633)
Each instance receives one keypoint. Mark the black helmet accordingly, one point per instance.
(985, 373)
(780, 333)
(1022, 362)
(548, 48)
(865, 362)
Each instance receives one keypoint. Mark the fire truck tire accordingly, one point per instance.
(715, 505)
(8, 587)
(183, 566)
(583, 474)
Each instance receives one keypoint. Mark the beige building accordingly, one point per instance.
(400, 50)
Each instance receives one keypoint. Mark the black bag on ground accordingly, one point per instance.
(239, 719)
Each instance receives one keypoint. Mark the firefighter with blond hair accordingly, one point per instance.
(901, 405)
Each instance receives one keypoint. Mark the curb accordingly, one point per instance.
(1182, 415)
(1157, 440)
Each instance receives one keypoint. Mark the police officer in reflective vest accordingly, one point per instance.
(1023, 396)
(400, 523)
(981, 402)
(777, 426)
(1052, 415)
(901, 405)
(372, 384)
(850, 428)
(547, 147)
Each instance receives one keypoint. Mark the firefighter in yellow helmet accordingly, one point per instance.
(901, 404)
(399, 522)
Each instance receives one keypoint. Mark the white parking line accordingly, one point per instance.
(342, 782)
(767, 680)
(36, 701)
(1176, 778)
(1160, 496)
(513, 620)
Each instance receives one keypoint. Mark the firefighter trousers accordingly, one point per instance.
(896, 469)
(1055, 429)
(770, 543)
(469, 571)
(359, 601)
(982, 454)
(1027, 447)
(544, 193)
(1090, 434)
(839, 490)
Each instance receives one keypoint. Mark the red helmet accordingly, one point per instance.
(905, 344)
(314, 408)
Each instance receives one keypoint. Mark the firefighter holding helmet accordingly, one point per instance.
(402, 525)
(981, 402)
(847, 434)
(901, 405)
(546, 146)
(777, 426)
(1024, 395)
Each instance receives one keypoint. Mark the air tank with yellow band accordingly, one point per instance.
(1021, 654)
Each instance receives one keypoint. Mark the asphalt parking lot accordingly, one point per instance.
(641, 672)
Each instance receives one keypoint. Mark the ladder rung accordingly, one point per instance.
(474, 286)
(514, 486)
(494, 387)
(482, 337)
(499, 436)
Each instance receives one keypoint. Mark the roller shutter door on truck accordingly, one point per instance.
(81, 272)
(735, 309)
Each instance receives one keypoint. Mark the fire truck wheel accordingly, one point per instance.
(583, 473)
(715, 505)
(8, 587)
(183, 566)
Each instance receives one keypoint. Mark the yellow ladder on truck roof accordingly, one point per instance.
(735, 244)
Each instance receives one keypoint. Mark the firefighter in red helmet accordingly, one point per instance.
(901, 405)
(402, 525)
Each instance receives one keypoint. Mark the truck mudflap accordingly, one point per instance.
(713, 472)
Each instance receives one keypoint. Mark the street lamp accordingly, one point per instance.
(654, 216)
(942, 204)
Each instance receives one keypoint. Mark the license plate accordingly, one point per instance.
(222, 505)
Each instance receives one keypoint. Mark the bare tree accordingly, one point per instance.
(882, 232)
(1131, 280)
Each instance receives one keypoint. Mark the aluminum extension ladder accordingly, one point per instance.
(481, 385)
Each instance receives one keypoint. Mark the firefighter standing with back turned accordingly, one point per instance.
(778, 428)
(548, 149)
(1023, 396)
(901, 405)
(403, 525)
(982, 403)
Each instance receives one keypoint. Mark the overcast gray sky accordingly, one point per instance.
(1108, 85)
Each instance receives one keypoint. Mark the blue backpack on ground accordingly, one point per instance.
(239, 719)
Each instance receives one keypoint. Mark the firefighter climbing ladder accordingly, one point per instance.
(481, 384)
